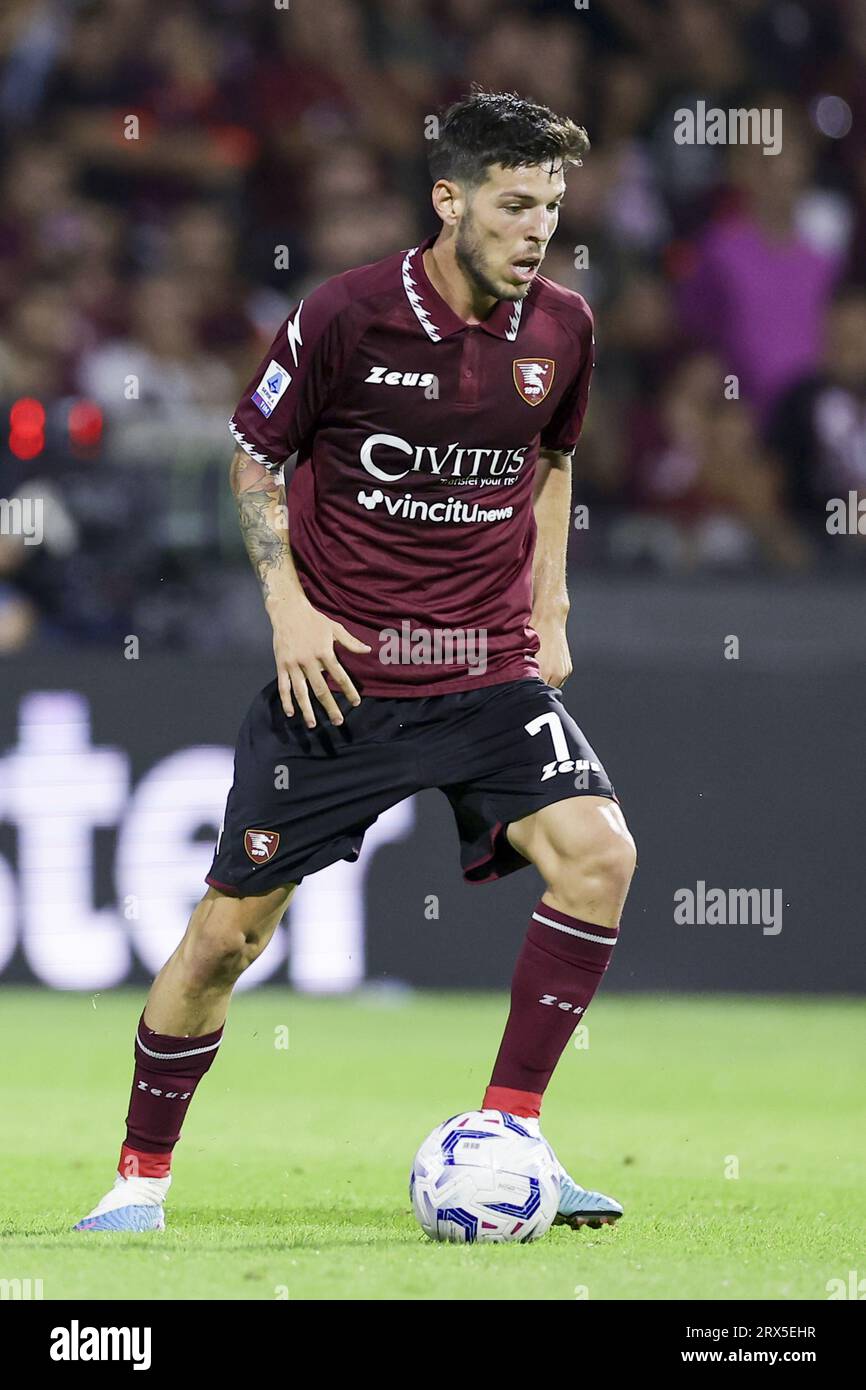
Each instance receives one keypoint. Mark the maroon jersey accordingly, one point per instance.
(417, 435)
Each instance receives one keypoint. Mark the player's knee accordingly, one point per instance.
(616, 862)
(214, 955)
(600, 860)
(604, 869)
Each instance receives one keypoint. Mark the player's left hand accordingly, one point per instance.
(553, 656)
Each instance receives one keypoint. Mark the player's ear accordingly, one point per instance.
(449, 201)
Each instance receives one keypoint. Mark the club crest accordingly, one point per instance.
(261, 845)
(533, 377)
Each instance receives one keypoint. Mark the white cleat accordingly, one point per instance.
(133, 1204)
(578, 1206)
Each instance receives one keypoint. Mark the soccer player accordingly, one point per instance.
(414, 574)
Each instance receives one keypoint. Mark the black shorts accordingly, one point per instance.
(302, 798)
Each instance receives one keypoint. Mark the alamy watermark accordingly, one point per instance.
(22, 516)
(729, 907)
(77, 1343)
(854, 1287)
(846, 516)
(437, 646)
(20, 1290)
(737, 126)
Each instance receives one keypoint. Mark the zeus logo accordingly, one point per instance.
(381, 376)
(568, 765)
(561, 1004)
(169, 1095)
(447, 461)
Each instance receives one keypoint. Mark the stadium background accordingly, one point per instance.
(276, 147)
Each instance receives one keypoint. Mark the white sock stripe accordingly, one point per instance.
(572, 931)
(170, 1056)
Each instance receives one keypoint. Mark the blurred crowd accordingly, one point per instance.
(175, 173)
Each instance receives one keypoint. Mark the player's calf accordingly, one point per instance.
(176, 1042)
(584, 852)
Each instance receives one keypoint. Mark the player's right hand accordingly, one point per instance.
(304, 650)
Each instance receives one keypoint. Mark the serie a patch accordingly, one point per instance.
(271, 388)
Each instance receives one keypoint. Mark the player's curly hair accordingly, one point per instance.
(487, 128)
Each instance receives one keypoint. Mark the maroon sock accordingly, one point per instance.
(167, 1071)
(557, 973)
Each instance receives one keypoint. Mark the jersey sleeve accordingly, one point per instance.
(563, 429)
(278, 411)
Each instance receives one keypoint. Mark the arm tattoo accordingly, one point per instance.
(263, 515)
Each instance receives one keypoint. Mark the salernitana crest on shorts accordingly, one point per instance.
(261, 845)
(533, 377)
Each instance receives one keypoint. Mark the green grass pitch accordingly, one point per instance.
(732, 1130)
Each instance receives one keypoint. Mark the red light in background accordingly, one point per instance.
(85, 425)
(27, 414)
(27, 428)
(26, 447)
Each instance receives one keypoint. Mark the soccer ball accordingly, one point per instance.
(483, 1176)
